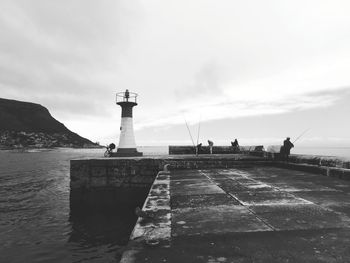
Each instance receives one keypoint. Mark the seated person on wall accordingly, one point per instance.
(235, 146)
(285, 149)
(211, 144)
(109, 150)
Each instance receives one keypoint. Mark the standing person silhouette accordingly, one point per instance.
(285, 149)
(235, 146)
(210, 146)
(198, 148)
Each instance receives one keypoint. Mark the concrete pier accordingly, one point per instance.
(223, 207)
(243, 214)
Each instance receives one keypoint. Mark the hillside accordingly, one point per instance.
(25, 124)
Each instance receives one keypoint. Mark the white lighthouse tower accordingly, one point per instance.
(127, 146)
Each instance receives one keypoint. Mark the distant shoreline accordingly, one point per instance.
(46, 148)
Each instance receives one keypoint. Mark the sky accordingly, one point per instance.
(254, 70)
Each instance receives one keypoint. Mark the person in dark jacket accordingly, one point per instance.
(198, 148)
(235, 146)
(285, 149)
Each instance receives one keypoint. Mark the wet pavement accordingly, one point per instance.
(252, 214)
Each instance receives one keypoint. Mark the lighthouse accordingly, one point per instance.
(127, 146)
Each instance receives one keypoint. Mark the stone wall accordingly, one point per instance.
(110, 183)
(325, 165)
(113, 172)
(320, 160)
(216, 149)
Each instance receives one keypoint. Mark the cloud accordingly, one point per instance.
(226, 59)
(208, 80)
(63, 55)
(237, 108)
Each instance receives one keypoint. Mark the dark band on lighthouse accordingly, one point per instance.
(127, 108)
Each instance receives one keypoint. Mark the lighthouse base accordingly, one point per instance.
(126, 152)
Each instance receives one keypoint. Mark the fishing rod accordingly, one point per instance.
(189, 133)
(199, 128)
(301, 135)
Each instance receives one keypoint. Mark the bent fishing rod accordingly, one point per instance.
(189, 133)
(199, 128)
(301, 135)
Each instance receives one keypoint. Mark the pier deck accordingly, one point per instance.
(249, 214)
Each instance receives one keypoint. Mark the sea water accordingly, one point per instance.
(340, 152)
(35, 221)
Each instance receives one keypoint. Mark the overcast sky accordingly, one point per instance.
(254, 70)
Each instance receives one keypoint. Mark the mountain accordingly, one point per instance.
(25, 124)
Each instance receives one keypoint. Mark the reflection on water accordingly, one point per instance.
(97, 237)
(35, 221)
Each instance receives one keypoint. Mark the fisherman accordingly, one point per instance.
(210, 146)
(198, 148)
(285, 149)
(109, 150)
(235, 146)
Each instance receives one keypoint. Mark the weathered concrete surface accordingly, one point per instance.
(258, 214)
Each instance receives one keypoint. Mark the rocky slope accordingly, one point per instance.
(24, 124)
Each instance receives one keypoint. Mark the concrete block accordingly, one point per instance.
(98, 181)
(98, 171)
(346, 165)
(336, 172)
(146, 180)
(346, 174)
(114, 172)
(115, 181)
(79, 170)
(80, 183)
